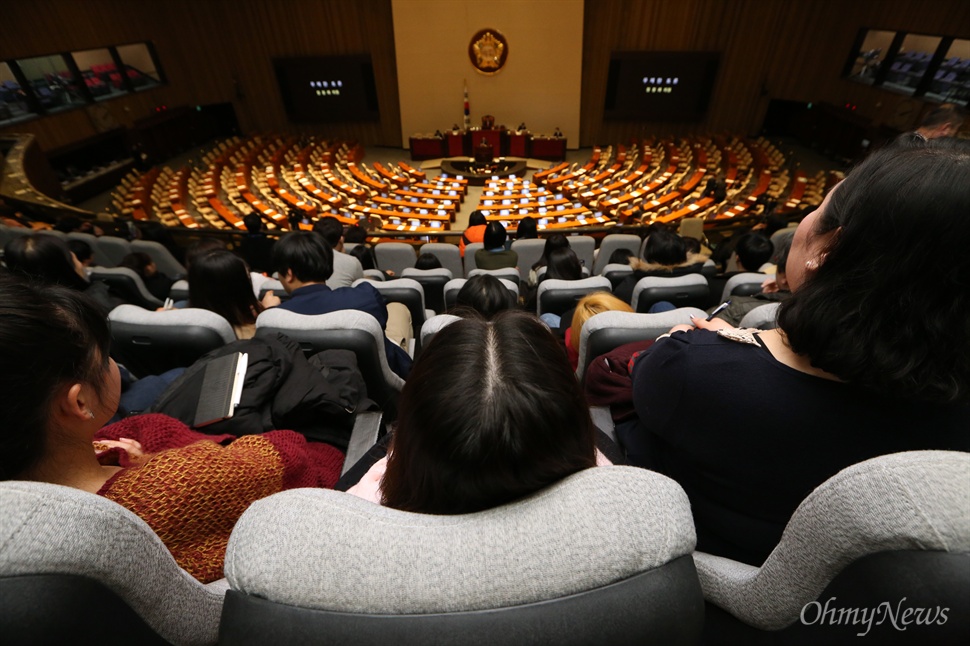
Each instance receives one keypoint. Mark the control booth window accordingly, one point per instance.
(14, 106)
(52, 82)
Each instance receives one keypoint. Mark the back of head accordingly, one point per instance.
(219, 282)
(81, 250)
(665, 248)
(45, 258)
(476, 219)
(306, 254)
(528, 229)
(588, 307)
(495, 235)
(254, 223)
(427, 261)
(753, 250)
(50, 337)
(620, 257)
(887, 306)
(553, 242)
(203, 246)
(137, 261)
(948, 115)
(486, 295)
(563, 264)
(355, 234)
(365, 254)
(330, 228)
(490, 413)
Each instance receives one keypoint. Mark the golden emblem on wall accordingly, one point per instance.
(488, 51)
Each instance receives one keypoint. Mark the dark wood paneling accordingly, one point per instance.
(212, 51)
(778, 49)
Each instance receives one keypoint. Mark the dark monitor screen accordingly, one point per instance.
(660, 86)
(326, 89)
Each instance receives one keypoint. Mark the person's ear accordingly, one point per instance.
(73, 405)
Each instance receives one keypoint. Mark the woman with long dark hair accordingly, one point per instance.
(490, 413)
(219, 282)
(871, 356)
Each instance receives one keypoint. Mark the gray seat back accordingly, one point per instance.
(691, 290)
(447, 254)
(744, 284)
(394, 256)
(894, 529)
(485, 578)
(557, 296)
(607, 331)
(529, 252)
(68, 555)
(610, 244)
(351, 330)
(470, 263)
(126, 283)
(150, 342)
(763, 317)
(109, 250)
(434, 324)
(409, 293)
(163, 258)
(433, 282)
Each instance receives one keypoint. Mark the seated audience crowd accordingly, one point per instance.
(871, 356)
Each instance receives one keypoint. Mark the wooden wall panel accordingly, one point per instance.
(770, 49)
(211, 51)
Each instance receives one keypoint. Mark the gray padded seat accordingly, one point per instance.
(349, 330)
(394, 256)
(557, 296)
(409, 293)
(616, 273)
(529, 252)
(272, 285)
(510, 274)
(744, 284)
(611, 243)
(763, 317)
(584, 246)
(709, 269)
(894, 529)
(607, 331)
(470, 264)
(541, 272)
(76, 568)
(374, 275)
(434, 324)
(9, 233)
(447, 254)
(126, 283)
(163, 258)
(109, 250)
(601, 557)
(691, 290)
(453, 286)
(150, 342)
(179, 290)
(433, 282)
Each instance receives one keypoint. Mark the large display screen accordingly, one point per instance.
(660, 86)
(326, 89)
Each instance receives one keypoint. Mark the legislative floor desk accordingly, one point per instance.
(504, 143)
